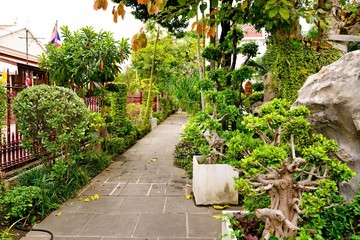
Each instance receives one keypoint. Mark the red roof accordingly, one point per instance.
(250, 32)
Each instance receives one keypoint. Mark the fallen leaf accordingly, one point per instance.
(107, 169)
(86, 200)
(95, 197)
(188, 196)
(180, 173)
(58, 214)
(187, 185)
(80, 198)
(219, 207)
(217, 216)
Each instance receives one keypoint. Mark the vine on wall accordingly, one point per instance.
(291, 63)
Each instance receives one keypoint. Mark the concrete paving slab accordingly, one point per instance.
(76, 238)
(100, 188)
(154, 178)
(110, 225)
(183, 205)
(105, 204)
(202, 225)
(157, 189)
(66, 224)
(175, 189)
(134, 189)
(161, 225)
(133, 238)
(143, 205)
(35, 238)
(124, 178)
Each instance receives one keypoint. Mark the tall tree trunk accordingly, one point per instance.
(212, 25)
(148, 105)
(201, 66)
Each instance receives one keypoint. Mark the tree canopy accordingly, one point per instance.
(84, 56)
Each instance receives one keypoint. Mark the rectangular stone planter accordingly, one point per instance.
(213, 183)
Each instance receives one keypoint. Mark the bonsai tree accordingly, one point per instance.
(285, 160)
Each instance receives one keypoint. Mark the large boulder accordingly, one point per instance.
(333, 96)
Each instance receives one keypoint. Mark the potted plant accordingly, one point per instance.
(291, 165)
(238, 225)
(213, 182)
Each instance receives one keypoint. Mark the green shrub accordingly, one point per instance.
(115, 145)
(21, 202)
(184, 152)
(53, 121)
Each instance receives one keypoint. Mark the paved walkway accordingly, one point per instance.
(141, 196)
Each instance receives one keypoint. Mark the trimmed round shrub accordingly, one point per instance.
(53, 121)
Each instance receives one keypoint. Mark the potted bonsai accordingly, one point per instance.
(213, 182)
(290, 165)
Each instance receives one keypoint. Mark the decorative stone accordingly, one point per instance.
(333, 97)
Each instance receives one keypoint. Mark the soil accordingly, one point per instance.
(14, 233)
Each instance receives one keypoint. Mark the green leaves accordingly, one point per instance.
(203, 7)
(284, 13)
(51, 120)
(273, 12)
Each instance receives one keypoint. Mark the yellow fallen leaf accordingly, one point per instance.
(219, 207)
(95, 197)
(188, 196)
(80, 198)
(180, 173)
(58, 214)
(217, 216)
(107, 169)
(86, 200)
(187, 185)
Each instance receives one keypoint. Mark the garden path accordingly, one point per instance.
(142, 195)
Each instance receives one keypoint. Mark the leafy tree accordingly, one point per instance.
(84, 56)
(52, 120)
(174, 60)
(290, 165)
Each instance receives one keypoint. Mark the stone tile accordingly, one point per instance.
(104, 204)
(157, 189)
(76, 238)
(183, 205)
(178, 178)
(143, 205)
(117, 164)
(36, 238)
(66, 224)
(175, 189)
(124, 178)
(154, 178)
(102, 189)
(120, 225)
(203, 225)
(141, 238)
(135, 189)
(161, 225)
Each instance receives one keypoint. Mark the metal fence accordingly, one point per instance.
(11, 154)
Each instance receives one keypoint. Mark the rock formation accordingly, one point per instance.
(333, 96)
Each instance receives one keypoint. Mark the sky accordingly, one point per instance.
(40, 17)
